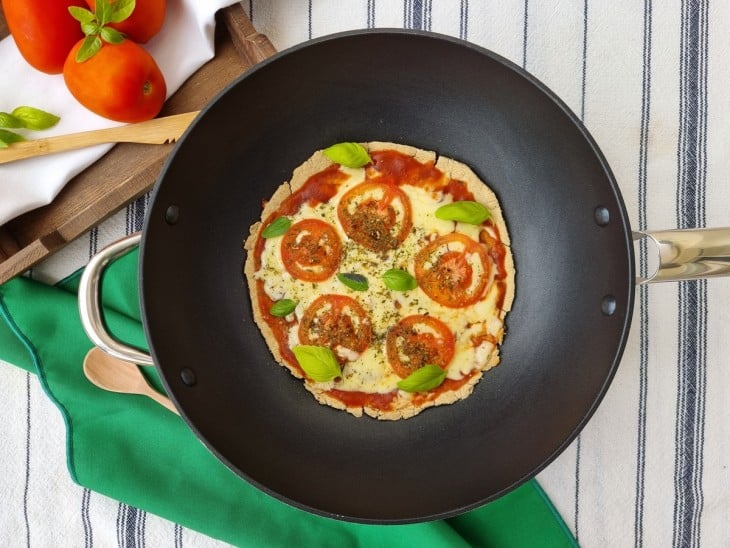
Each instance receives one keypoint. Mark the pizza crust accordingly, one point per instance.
(403, 406)
(281, 194)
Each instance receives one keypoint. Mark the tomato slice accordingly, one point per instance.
(337, 322)
(453, 270)
(311, 250)
(416, 341)
(376, 215)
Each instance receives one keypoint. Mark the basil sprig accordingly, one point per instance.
(399, 280)
(282, 308)
(33, 118)
(348, 154)
(318, 362)
(24, 117)
(356, 282)
(95, 25)
(423, 379)
(277, 227)
(469, 212)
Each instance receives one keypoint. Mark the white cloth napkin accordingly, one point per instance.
(184, 43)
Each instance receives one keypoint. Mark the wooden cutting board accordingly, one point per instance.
(128, 170)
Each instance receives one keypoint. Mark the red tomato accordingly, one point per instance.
(121, 82)
(311, 250)
(445, 270)
(43, 30)
(416, 341)
(336, 321)
(144, 22)
(376, 215)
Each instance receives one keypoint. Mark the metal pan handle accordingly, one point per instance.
(90, 303)
(689, 254)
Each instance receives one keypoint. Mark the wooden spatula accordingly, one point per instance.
(156, 131)
(116, 375)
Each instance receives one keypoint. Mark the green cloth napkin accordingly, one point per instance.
(131, 449)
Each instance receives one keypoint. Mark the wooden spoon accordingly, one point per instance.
(116, 375)
(157, 131)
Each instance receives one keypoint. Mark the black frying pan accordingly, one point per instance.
(571, 244)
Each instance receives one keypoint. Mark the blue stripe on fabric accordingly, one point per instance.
(464, 20)
(692, 328)
(136, 213)
(643, 290)
(524, 34)
(178, 536)
(85, 518)
(417, 14)
(93, 241)
(130, 527)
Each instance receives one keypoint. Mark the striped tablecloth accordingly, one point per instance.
(650, 81)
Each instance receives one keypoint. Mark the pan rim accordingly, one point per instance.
(621, 216)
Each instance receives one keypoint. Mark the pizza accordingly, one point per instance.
(381, 275)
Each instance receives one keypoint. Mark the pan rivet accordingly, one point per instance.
(608, 305)
(172, 214)
(602, 215)
(188, 377)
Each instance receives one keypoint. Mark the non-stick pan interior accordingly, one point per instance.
(570, 240)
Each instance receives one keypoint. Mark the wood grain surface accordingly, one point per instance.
(128, 170)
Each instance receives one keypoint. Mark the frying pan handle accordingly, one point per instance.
(689, 254)
(90, 305)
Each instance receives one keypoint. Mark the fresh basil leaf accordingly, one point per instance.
(318, 362)
(10, 121)
(348, 154)
(89, 48)
(82, 15)
(90, 29)
(472, 213)
(423, 379)
(282, 308)
(9, 137)
(36, 119)
(111, 36)
(121, 9)
(399, 280)
(357, 282)
(103, 11)
(277, 227)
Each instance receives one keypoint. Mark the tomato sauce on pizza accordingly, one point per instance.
(384, 285)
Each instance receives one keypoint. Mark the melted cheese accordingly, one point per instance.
(370, 371)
